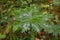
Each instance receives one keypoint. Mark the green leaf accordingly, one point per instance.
(56, 2)
(2, 36)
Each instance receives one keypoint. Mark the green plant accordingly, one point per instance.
(24, 19)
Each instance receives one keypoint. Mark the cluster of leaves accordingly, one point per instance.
(24, 19)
